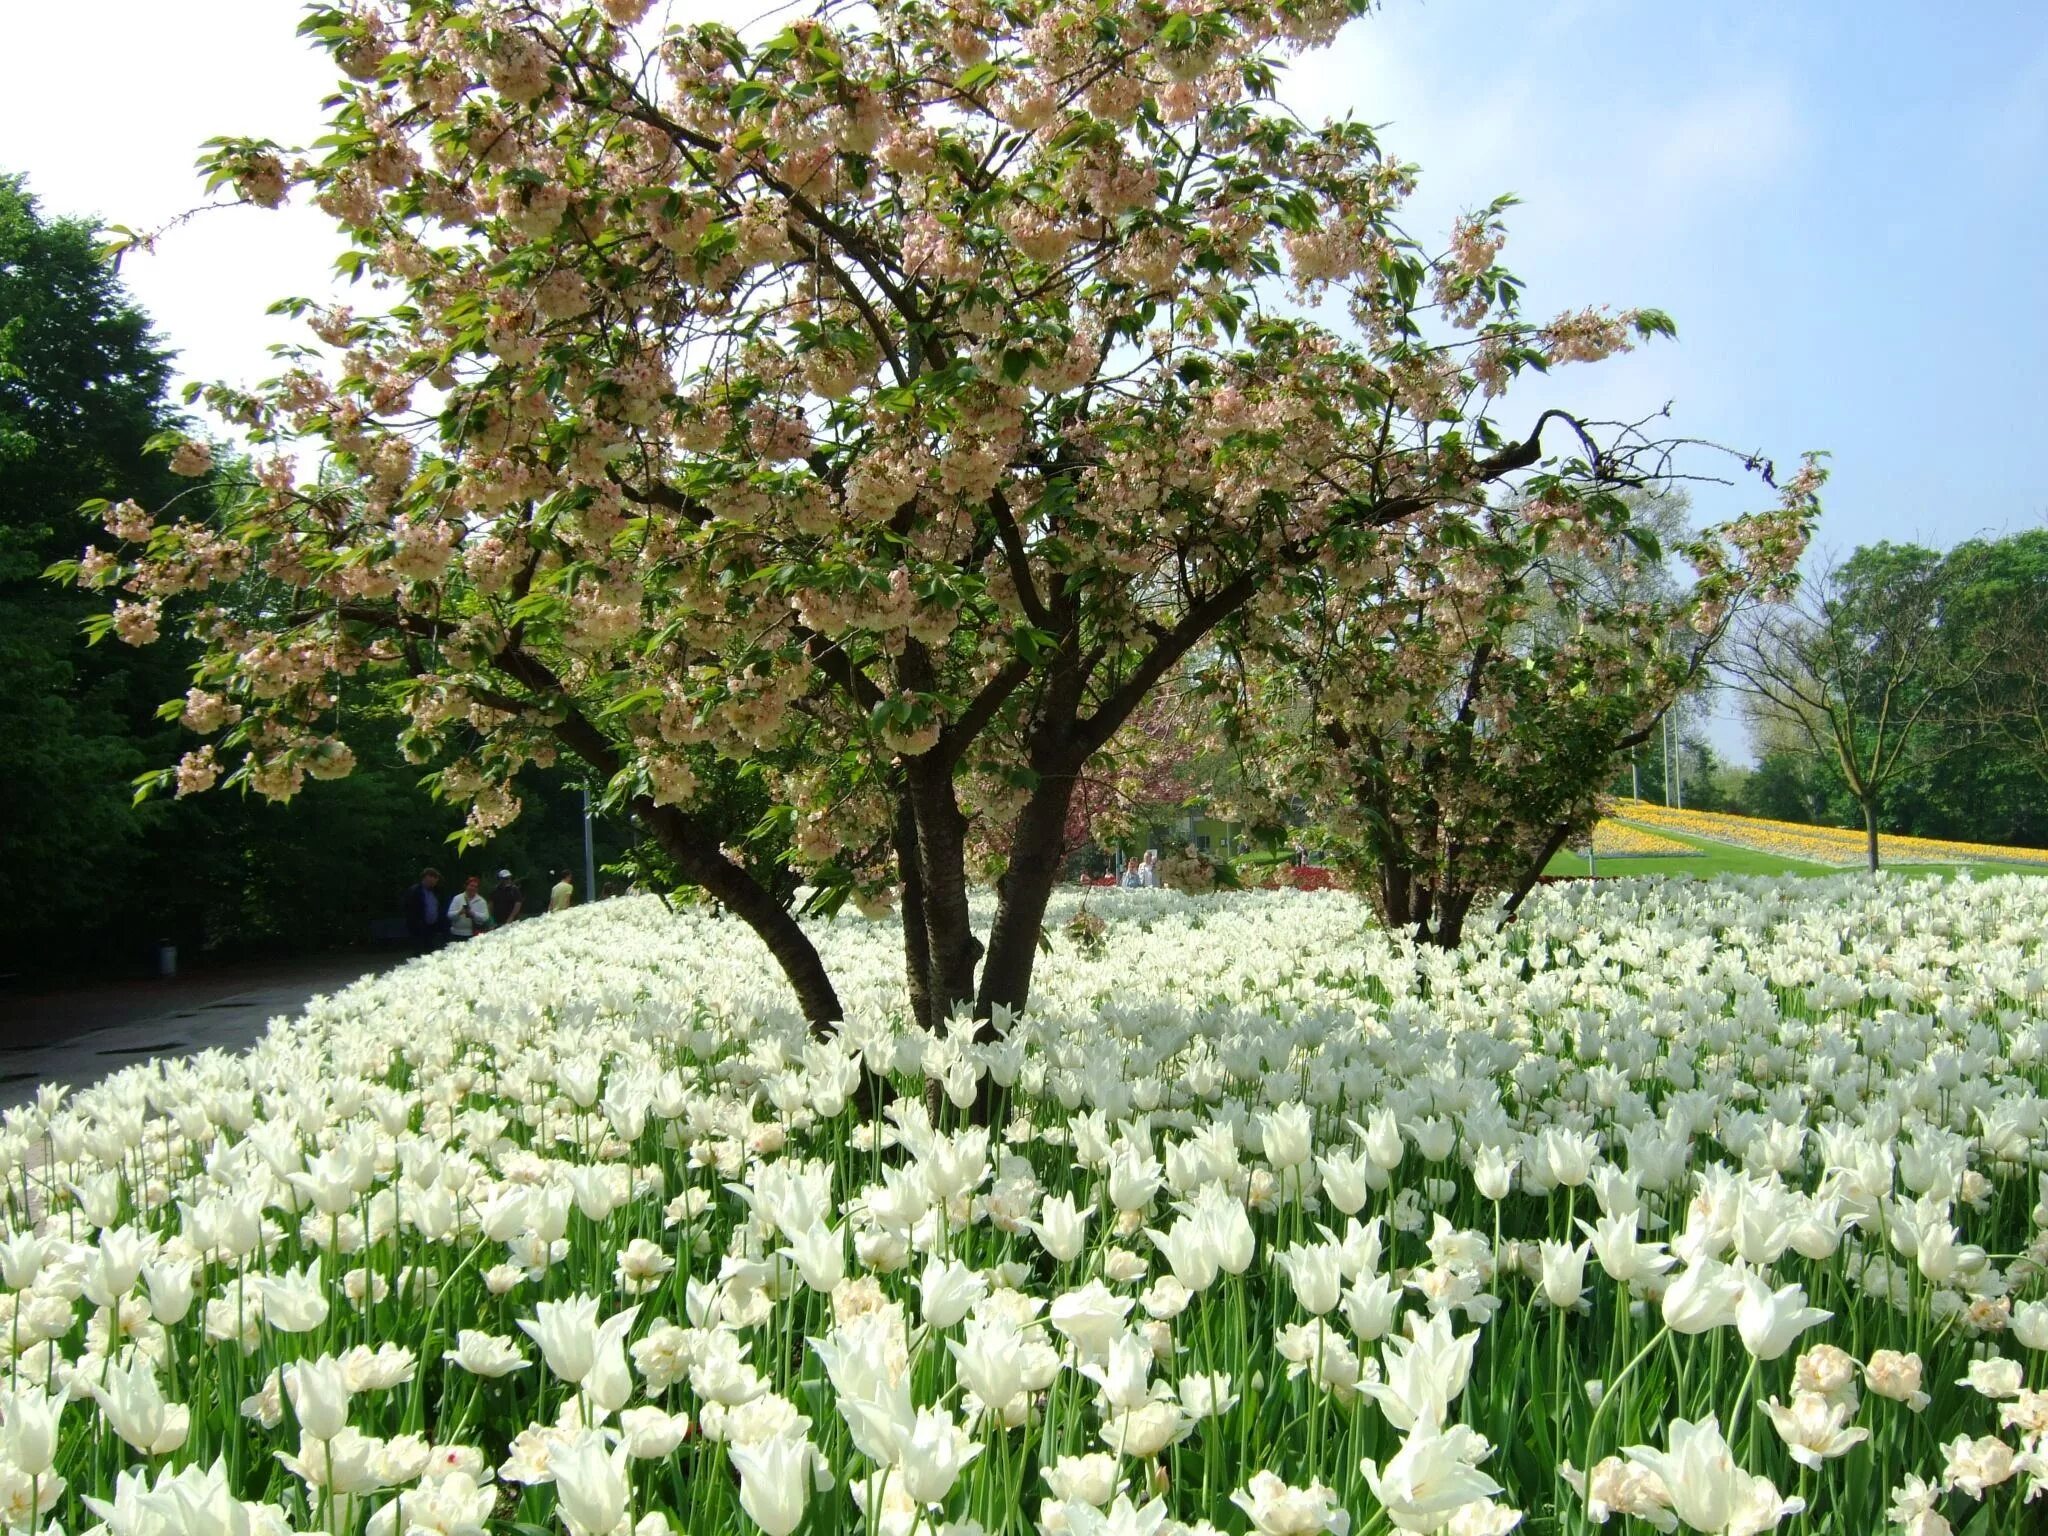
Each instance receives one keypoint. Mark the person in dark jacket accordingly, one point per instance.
(507, 901)
(426, 914)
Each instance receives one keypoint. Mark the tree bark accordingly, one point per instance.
(1533, 871)
(1870, 832)
(1448, 930)
(950, 948)
(698, 860)
(1036, 844)
(1397, 894)
(695, 849)
(917, 956)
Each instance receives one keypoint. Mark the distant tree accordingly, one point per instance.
(94, 879)
(1451, 721)
(1990, 784)
(1679, 737)
(1783, 786)
(1857, 671)
(1148, 772)
(1979, 769)
(1706, 783)
(82, 381)
(1998, 608)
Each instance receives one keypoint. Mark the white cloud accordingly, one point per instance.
(108, 121)
(1724, 140)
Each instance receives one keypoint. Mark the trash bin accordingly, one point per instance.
(166, 958)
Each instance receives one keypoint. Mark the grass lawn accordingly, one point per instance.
(1726, 859)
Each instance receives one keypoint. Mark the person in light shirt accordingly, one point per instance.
(469, 914)
(563, 894)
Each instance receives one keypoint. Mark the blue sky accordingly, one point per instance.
(1843, 206)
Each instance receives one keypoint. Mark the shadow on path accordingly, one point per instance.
(79, 1035)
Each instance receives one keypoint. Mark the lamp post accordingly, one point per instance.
(589, 852)
(1678, 766)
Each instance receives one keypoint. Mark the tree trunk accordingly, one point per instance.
(699, 861)
(951, 949)
(699, 858)
(1448, 931)
(1870, 832)
(1036, 844)
(1397, 894)
(1533, 871)
(917, 954)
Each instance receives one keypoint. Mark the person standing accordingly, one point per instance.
(469, 914)
(564, 893)
(507, 901)
(426, 919)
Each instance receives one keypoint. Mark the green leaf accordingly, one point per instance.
(1227, 308)
(627, 703)
(779, 824)
(1296, 211)
(152, 783)
(826, 900)
(539, 605)
(1035, 645)
(983, 74)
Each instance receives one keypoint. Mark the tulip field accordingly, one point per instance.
(1820, 845)
(1615, 839)
(1701, 1205)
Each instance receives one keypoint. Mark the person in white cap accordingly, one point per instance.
(507, 901)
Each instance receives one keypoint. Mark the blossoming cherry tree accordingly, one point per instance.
(889, 402)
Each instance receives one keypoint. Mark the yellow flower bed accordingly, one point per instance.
(1618, 840)
(1821, 845)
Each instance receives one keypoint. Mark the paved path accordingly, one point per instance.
(79, 1035)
